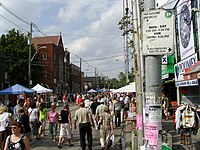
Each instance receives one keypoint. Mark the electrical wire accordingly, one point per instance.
(90, 36)
(14, 23)
(15, 14)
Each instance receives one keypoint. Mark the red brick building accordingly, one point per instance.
(51, 55)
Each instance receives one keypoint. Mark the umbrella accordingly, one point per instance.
(40, 89)
(92, 91)
(17, 89)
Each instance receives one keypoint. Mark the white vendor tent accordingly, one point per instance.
(92, 91)
(40, 89)
(128, 88)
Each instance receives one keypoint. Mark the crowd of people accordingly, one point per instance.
(28, 119)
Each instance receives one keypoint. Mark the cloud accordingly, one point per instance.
(89, 28)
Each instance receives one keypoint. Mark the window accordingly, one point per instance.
(44, 55)
(44, 73)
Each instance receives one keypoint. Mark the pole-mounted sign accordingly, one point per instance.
(158, 30)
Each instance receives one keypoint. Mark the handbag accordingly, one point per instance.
(59, 119)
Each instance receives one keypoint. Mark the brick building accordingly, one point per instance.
(52, 56)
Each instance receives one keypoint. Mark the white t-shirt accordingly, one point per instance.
(4, 120)
(32, 114)
(15, 112)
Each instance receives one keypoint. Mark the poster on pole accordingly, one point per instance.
(158, 32)
(150, 98)
(139, 122)
(155, 113)
(185, 28)
(151, 133)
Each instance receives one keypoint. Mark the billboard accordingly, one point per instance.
(158, 31)
(185, 29)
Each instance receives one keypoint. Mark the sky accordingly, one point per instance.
(89, 29)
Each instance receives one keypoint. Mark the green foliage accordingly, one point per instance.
(14, 46)
(122, 79)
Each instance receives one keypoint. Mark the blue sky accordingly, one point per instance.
(89, 29)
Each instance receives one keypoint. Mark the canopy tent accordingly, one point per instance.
(128, 88)
(40, 89)
(17, 89)
(92, 91)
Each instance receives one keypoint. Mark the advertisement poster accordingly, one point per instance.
(185, 29)
(151, 133)
(155, 113)
(139, 122)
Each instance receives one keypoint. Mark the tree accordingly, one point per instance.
(14, 46)
(122, 79)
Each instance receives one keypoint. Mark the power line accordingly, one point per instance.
(13, 23)
(15, 14)
(90, 36)
(102, 58)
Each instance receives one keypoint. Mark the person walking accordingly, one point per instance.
(100, 110)
(19, 106)
(117, 109)
(106, 127)
(24, 120)
(42, 119)
(33, 114)
(52, 116)
(5, 120)
(65, 126)
(85, 122)
(17, 140)
(93, 108)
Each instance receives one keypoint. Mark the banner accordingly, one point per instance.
(185, 29)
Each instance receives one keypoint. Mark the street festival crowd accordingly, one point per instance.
(23, 119)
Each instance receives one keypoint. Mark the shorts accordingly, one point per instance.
(65, 130)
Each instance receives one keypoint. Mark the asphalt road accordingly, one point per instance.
(46, 143)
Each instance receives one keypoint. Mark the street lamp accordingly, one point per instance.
(30, 60)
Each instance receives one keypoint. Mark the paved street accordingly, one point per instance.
(45, 143)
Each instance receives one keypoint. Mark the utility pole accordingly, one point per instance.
(29, 60)
(153, 78)
(95, 78)
(138, 66)
(80, 76)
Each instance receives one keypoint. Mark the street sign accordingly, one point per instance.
(158, 30)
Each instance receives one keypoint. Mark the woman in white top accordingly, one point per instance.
(5, 119)
(33, 113)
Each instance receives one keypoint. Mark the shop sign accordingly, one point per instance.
(187, 83)
(179, 68)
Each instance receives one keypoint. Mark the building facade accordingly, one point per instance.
(51, 55)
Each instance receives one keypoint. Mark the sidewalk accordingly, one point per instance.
(168, 125)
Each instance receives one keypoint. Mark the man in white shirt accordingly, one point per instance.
(17, 108)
